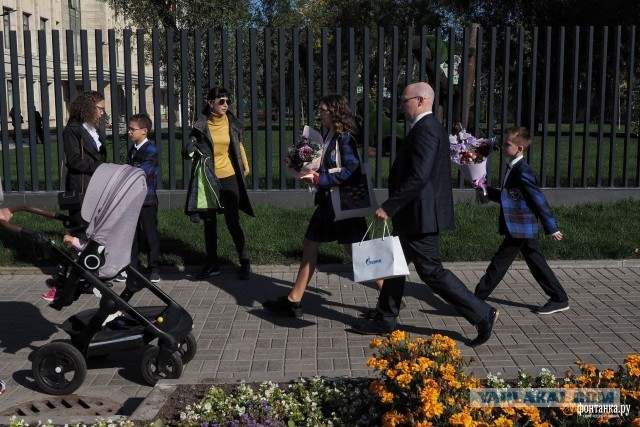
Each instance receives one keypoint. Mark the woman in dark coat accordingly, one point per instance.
(217, 176)
(84, 142)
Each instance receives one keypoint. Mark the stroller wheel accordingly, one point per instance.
(188, 348)
(150, 371)
(59, 368)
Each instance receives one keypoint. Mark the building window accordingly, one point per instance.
(75, 25)
(25, 21)
(9, 95)
(6, 22)
(43, 23)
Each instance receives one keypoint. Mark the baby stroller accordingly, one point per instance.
(110, 208)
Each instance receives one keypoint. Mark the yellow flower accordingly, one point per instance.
(432, 409)
(607, 374)
(386, 397)
(635, 422)
(392, 419)
(375, 343)
(503, 422)
(603, 419)
(634, 372)
(398, 335)
(372, 362)
(391, 373)
(509, 411)
(404, 380)
(544, 424)
(531, 413)
(451, 401)
(423, 424)
(462, 418)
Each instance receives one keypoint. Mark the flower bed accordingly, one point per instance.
(419, 382)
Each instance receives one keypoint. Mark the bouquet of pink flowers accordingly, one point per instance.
(303, 158)
(470, 157)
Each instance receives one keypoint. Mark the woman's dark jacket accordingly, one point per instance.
(83, 158)
(349, 162)
(200, 144)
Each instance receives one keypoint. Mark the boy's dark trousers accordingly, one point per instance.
(147, 236)
(536, 262)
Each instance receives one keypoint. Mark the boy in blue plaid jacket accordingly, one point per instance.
(522, 204)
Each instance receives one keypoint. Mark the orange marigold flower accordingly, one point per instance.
(509, 411)
(532, 413)
(372, 362)
(635, 423)
(603, 419)
(398, 335)
(375, 343)
(432, 409)
(386, 397)
(634, 372)
(392, 419)
(423, 423)
(462, 418)
(544, 424)
(391, 373)
(503, 422)
(451, 401)
(429, 395)
(607, 374)
(404, 380)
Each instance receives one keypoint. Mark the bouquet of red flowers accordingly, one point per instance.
(470, 157)
(303, 158)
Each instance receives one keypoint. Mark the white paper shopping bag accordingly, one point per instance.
(380, 258)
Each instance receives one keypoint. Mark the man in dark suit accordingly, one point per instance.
(421, 205)
(521, 205)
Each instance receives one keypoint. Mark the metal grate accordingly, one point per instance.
(65, 405)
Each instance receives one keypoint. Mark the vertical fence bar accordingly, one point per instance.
(438, 69)
(587, 109)
(71, 73)
(255, 148)
(268, 109)
(295, 83)
(84, 57)
(171, 96)
(462, 81)
(450, 72)
(338, 63)
(197, 74)
(520, 73)
(629, 105)
(560, 79)
(184, 98)
(325, 60)
(615, 104)
(310, 77)
(506, 70)
(366, 93)
(379, 107)
(57, 85)
(408, 72)
(574, 104)
(211, 58)
(352, 70)
(17, 111)
(603, 93)
(533, 91)
(157, 101)
(4, 120)
(128, 83)
(239, 75)
(492, 83)
(282, 72)
(477, 96)
(115, 96)
(30, 113)
(224, 49)
(142, 101)
(423, 56)
(99, 63)
(44, 109)
(545, 109)
(394, 92)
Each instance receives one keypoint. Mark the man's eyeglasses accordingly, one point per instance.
(404, 100)
(100, 108)
(134, 129)
(222, 101)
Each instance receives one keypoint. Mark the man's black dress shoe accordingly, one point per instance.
(485, 327)
(372, 328)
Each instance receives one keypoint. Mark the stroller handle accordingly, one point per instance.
(30, 234)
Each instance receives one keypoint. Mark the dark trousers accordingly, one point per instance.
(538, 266)
(423, 250)
(230, 200)
(147, 237)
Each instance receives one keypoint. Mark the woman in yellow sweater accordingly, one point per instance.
(217, 179)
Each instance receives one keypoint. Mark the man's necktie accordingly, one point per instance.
(134, 151)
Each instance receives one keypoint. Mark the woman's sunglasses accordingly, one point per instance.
(222, 101)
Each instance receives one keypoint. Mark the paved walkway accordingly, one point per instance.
(238, 340)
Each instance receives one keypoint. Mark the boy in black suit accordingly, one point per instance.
(522, 204)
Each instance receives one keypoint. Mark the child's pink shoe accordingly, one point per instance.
(50, 294)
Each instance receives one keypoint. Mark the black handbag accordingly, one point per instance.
(70, 200)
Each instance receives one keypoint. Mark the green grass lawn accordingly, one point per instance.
(597, 231)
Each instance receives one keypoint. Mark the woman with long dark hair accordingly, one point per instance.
(217, 176)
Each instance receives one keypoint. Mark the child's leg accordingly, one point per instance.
(542, 272)
(498, 267)
(307, 268)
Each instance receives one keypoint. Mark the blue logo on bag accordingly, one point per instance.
(370, 261)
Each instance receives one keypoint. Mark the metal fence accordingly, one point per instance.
(575, 88)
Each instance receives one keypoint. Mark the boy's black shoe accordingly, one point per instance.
(485, 327)
(244, 272)
(283, 307)
(208, 271)
(552, 307)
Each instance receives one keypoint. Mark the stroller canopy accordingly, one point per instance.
(111, 206)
